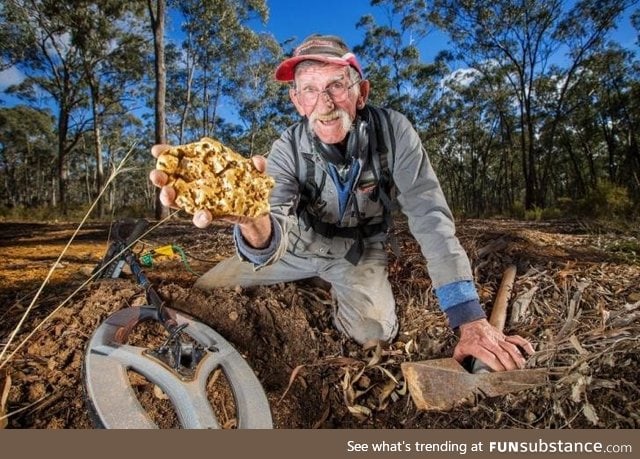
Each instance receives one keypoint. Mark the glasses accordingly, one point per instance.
(337, 91)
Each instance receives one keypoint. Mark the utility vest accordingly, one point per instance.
(381, 160)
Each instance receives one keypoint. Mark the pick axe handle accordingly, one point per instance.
(499, 312)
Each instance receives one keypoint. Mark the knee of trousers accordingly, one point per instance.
(215, 279)
(368, 329)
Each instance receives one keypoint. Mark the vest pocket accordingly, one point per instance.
(367, 204)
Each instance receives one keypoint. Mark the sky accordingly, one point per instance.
(298, 19)
(339, 17)
(330, 17)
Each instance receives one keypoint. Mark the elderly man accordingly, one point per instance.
(330, 209)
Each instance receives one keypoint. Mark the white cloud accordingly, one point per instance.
(461, 77)
(10, 77)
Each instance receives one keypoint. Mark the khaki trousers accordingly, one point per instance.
(365, 307)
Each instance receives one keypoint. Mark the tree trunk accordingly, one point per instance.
(97, 143)
(157, 17)
(63, 127)
(187, 104)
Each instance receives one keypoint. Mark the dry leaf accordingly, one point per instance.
(579, 388)
(292, 378)
(323, 418)
(159, 393)
(590, 413)
(577, 346)
(359, 411)
(376, 355)
(385, 393)
(388, 373)
(5, 385)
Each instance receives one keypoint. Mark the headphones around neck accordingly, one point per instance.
(357, 144)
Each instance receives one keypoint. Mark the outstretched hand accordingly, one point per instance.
(201, 218)
(498, 351)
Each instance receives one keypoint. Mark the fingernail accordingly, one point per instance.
(201, 218)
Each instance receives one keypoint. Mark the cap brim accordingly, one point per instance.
(286, 69)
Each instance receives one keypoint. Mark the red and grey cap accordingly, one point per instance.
(322, 48)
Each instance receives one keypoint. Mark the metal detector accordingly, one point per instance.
(180, 367)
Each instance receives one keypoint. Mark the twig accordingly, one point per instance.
(521, 304)
(119, 169)
(573, 306)
(66, 300)
(26, 313)
(499, 310)
(19, 410)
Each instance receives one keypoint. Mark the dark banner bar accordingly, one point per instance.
(325, 444)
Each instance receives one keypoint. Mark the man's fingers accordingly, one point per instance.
(168, 196)
(522, 343)
(260, 162)
(497, 355)
(487, 357)
(511, 357)
(202, 218)
(484, 342)
(157, 149)
(158, 178)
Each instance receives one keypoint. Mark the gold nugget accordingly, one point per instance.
(209, 175)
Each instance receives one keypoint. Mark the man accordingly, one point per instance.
(328, 210)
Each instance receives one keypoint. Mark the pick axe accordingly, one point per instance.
(443, 384)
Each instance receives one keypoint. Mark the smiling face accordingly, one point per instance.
(329, 119)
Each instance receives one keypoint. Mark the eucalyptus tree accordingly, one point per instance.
(600, 132)
(27, 163)
(391, 56)
(52, 65)
(157, 10)
(218, 39)
(526, 38)
(470, 156)
(112, 46)
(262, 104)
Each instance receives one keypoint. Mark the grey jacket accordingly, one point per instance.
(419, 194)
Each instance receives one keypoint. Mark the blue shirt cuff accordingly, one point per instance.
(455, 293)
(257, 256)
(460, 302)
(464, 313)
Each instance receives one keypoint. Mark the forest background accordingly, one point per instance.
(531, 111)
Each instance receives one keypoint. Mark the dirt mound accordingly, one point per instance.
(577, 301)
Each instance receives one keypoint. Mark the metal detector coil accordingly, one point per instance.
(179, 367)
(113, 401)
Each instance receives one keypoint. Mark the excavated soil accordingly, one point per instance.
(576, 297)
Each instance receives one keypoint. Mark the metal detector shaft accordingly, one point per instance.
(152, 296)
(119, 253)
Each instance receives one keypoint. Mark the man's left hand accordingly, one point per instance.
(498, 351)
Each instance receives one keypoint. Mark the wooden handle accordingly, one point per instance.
(499, 312)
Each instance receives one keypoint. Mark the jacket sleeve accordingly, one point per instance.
(283, 201)
(431, 223)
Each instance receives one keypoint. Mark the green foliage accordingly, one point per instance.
(628, 248)
(535, 214)
(39, 213)
(506, 130)
(605, 201)
(399, 77)
(517, 211)
(610, 200)
(541, 214)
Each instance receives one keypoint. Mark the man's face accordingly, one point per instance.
(330, 117)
